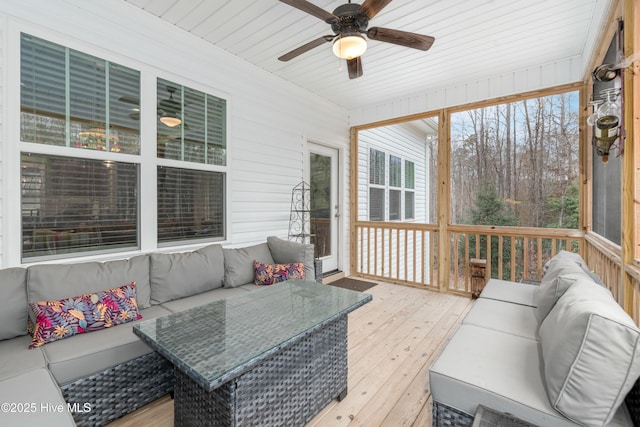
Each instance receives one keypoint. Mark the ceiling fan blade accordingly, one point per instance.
(372, 7)
(355, 67)
(403, 38)
(312, 9)
(305, 47)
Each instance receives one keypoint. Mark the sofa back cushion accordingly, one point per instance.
(184, 274)
(591, 354)
(238, 263)
(13, 304)
(285, 252)
(52, 282)
(560, 273)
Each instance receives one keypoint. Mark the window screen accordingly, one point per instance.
(199, 134)
(394, 205)
(77, 205)
(376, 204)
(376, 167)
(395, 171)
(190, 204)
(71, 99)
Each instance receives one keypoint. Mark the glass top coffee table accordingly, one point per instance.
(274, 356)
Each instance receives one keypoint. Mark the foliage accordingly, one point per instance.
(490, 209)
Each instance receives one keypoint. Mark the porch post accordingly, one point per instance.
(443, 200)
(632, 125)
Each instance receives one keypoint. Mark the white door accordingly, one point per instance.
(325, 209)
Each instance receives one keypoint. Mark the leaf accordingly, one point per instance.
(77, 314)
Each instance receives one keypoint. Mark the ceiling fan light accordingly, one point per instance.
(349, 46)
(170, 121)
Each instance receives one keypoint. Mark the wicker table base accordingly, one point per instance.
(287, 389)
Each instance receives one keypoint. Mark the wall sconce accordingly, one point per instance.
(606, 119)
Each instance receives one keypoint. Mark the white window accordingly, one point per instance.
(409, 190)
(191, 201)
(81, 157)
(400, 201)
(377, 180)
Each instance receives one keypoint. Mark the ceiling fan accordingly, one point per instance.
(168, 109)
(349, 22)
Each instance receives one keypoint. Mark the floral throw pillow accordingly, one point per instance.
(60, 319)
(268, 274)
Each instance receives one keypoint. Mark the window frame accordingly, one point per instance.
(146, 159)
(399, 192)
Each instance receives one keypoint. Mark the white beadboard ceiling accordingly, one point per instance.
(474, 39)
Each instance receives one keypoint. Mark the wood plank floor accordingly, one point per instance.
(392, 342)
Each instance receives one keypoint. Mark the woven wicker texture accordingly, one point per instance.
(446, 416)
(120, 390)
(633, 403)
(287, 389)
(486, 417)
(220, 341)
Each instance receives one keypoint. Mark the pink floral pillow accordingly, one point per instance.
(268, 274)
(60, 319)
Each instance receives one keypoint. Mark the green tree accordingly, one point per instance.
(490, 209)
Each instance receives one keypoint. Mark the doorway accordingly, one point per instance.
(325, 207)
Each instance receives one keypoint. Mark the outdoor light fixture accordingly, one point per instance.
(606, 122)
(171, 120)
(349, 46)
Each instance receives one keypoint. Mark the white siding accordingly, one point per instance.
(408, 143)
(543, 76)
(401, 141)
(270, 120)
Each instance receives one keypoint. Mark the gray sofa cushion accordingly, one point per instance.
(517, 293)
(84, 278)
(238, 263)
(561, 272)
(16, 357)
(481, 366)
(285, 252)
(35, 387)
(13, 304)
(591, 352)
(81, 355)
(515, 319)
(183, 304)
(184, 274)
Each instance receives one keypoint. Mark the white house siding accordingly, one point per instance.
(408, 143)
(270, 120)
(557, 73)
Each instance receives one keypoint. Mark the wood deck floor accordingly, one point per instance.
(392, 342)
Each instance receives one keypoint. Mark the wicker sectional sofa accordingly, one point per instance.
(93, 378)
(562, 353)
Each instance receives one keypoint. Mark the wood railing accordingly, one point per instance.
(517, 254)
(398, 252)
(408, 253)
(605, 259)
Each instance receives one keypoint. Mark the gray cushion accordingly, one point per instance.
(35, 387)
(285, 252)
(238, 263)
(515, 319)
(81, 355)
(183, 304)
(180, 275)
(13, 304)
(16, 357)
(591, 352)
(517, 293)
(561, 258)
(555, 283)
(52, 282)
(481, 366)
